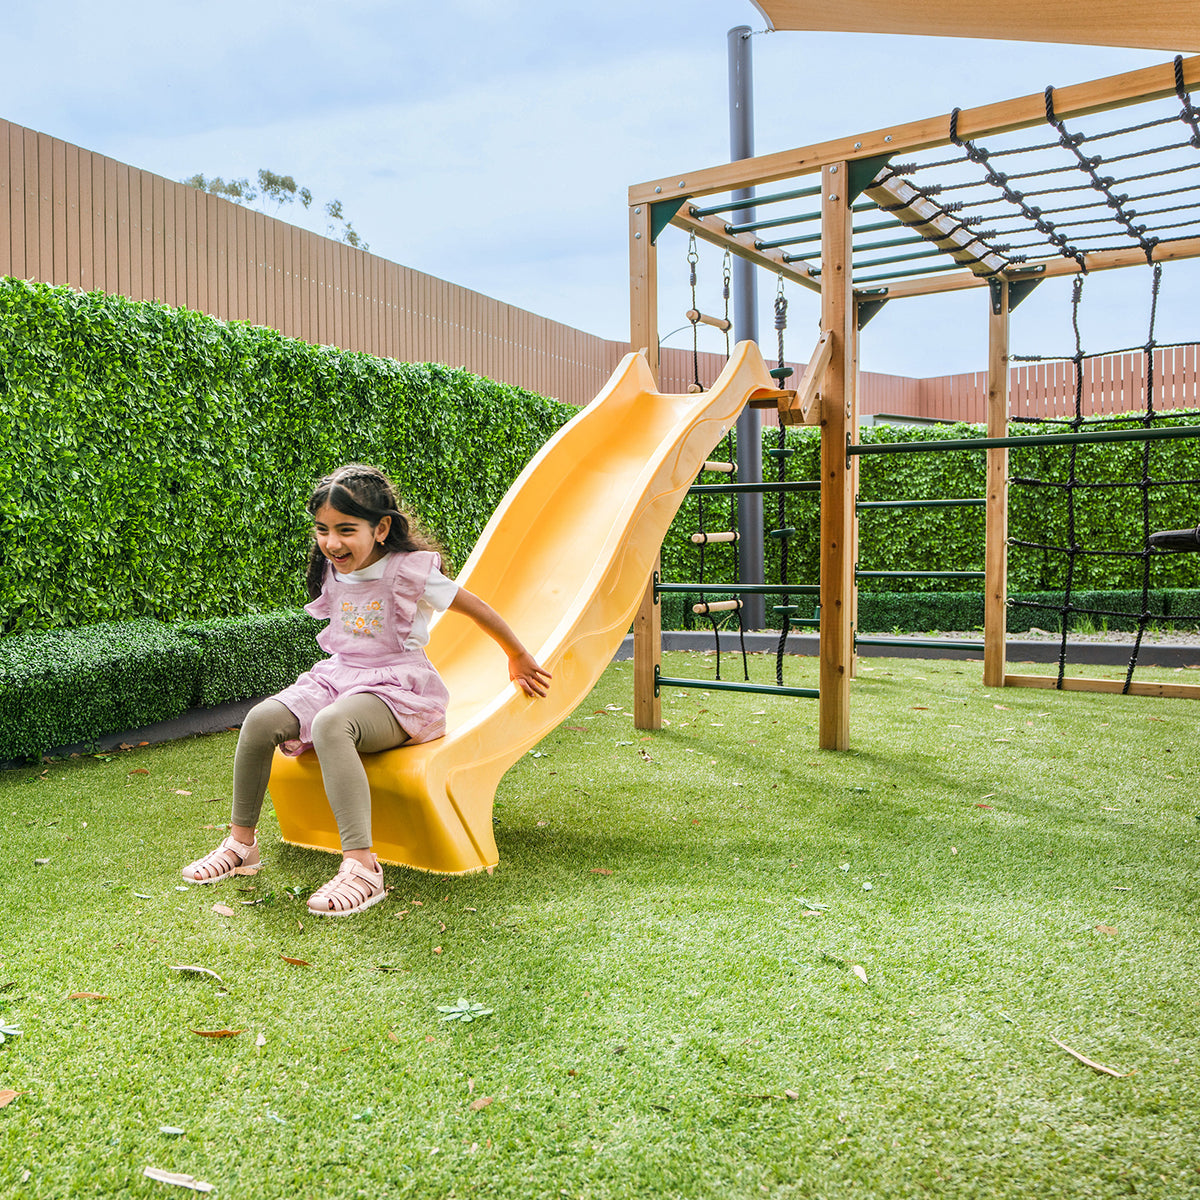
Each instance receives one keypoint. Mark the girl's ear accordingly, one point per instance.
(383, 529)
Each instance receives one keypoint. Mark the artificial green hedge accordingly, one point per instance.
(156, 461)
(67, 686)
(73, 685)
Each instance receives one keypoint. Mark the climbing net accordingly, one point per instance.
(1072, 196)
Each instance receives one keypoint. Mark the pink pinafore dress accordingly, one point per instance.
(368, 625)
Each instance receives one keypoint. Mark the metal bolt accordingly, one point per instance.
(833, 195)
(636, 236)
(638, 211)
(682, 183)
(887, 137)
(657, 190)
(858, 145)
(833, 170)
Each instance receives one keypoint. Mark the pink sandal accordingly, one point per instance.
(223, 861)
(352, 889)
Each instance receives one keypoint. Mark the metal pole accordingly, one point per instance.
(745, 327)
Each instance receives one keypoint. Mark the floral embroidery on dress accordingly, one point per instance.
(366, 621)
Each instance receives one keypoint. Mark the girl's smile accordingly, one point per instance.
(350, 543)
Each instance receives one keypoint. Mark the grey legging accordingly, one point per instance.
(359, 723)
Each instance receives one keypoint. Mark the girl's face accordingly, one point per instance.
(350, 543)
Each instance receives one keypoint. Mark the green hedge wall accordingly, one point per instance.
(156, 461)
(952, 539)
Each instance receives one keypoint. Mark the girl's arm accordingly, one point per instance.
(523, 668)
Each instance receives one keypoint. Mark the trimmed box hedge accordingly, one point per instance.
(74, 685)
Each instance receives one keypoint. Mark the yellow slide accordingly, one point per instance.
(565, 560)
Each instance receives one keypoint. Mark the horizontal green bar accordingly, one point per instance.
(719, 685)
(894, 275)
(742, 589)
(710, 489)
(919, 643)
(919, 575)
(979, 501)
(775, 198)
(878, 227)
(864, 206)
(1085, 437)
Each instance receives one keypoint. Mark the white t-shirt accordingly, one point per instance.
(438, 596)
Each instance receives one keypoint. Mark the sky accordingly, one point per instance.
(492, 142)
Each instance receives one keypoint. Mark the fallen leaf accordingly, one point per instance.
(790, 1094)
(1111, 930)
(223, 909)
(920, 708)
(194, 970)
(1087, 1062)
(1001, 707)
(393, 1036)
(171, 1130)
(181, 792)
(139, 771)
(988, 796)
(482, 1102)
(187, 1181)
(102, 996)
(601, 871)
(245, 870)
(296, 962)
(437, 949)
(41, 862)
(261, 1040)
(217, 1033)
(983, 806)
(7, 1096)
(859, 971)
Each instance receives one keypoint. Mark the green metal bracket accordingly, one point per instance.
(1018, 289)
(868, 309)
(862, 171)
(662, 213)
(657, 581)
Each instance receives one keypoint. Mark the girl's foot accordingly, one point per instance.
(352, 889)
(221, 862)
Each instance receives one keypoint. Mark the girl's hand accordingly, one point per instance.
(525, 672)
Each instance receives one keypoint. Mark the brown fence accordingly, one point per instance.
(69, 216)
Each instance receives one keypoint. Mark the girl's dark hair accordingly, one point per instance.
(368, 494)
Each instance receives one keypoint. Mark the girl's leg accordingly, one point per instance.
(267, 725)
(353, 725)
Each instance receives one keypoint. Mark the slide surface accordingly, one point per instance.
(565, 560)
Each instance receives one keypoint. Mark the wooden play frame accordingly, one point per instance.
(831, 401)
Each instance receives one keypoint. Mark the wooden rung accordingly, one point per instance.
(701, 539)
(697, 317)
(1179, 691)
(720, 467)
(716, 606)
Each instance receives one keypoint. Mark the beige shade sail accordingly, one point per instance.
(1172, 25)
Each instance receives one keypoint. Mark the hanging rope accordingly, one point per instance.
(693, 258)
(782, 454)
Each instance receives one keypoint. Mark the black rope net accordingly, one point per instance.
(1072, 195)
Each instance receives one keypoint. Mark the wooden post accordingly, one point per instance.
(837, 500)
(643, 333)
(995, 599)
(855, 466)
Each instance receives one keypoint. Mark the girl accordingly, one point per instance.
(376, 579)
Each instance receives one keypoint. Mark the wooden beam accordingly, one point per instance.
(1114, 91)
(933, 223)
(712, 230)
(805, 406)
(1163, 25)
(1100, 260)
(643, 332)
(1177, 691)
(837, 499)
(995, 596)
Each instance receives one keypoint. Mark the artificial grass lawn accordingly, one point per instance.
(668, 947)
